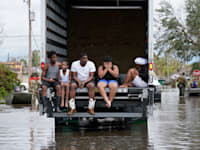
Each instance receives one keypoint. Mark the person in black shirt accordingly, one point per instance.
(108, 74)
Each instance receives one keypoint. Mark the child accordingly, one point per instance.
(65, 75)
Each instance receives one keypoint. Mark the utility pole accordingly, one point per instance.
(30, 47)
(8, 57)
(167, 67)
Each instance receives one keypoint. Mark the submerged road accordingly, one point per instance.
(172, 124)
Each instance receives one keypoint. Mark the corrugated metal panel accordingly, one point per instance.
(61, 51)
(56, 38)
(61, 11)
(56, 27)
(56, 18)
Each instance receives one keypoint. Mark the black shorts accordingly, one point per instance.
(92, 81)
(50, 84)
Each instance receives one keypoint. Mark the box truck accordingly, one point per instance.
(119, 28)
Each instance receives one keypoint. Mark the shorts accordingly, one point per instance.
(50, 84)
(108, 82)
(138, 82)
(65, 82)
(92, 81)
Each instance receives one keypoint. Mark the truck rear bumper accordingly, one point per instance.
(128, 103)
(99, 115)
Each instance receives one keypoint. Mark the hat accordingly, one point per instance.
(141, 61)
(107, 59)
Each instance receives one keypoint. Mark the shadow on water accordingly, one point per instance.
(133, 137)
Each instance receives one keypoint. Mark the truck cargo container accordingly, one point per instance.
(119, 28)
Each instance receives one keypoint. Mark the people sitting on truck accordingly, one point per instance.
(138, 76)
(65, 75)
(108, 74)
(50, 78)
(83, 71)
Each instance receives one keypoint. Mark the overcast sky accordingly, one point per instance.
(14, 18)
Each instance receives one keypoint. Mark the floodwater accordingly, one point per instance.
(172, 124)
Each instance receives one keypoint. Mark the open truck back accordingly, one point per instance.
(119, 28)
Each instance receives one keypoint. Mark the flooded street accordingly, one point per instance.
(172, 124)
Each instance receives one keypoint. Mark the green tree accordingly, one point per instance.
(36, 58)
(8, 80)
(178, 38)
(161, 66)
(24, 60)
(195, 66)
(193, 24)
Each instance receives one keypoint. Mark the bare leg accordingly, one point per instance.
(113, 89)
(91, 88)
(44, 90)
(58, 98)
(72, 100)
(132, 73)
(91, 93)
(101, 86)
(73, 90)
(67, 96)
(58, 90)
(63, 95)
(44, 100)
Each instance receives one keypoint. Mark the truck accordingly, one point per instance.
(119, 28)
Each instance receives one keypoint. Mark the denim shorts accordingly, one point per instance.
(65, 82)
(108, 82)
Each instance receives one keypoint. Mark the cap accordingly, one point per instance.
(107, 59)
(141, 61)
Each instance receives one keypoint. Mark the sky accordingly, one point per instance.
(14, 19)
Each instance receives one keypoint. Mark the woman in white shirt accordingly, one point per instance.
(65, 75)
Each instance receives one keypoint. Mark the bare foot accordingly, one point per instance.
(108, 104)
(62, 105)
(123, 86)
(66, 105)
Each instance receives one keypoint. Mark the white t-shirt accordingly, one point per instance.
(83, 73)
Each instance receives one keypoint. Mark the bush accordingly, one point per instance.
(8, 81)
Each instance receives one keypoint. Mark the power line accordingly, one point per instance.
(35, 41)
(17, 36)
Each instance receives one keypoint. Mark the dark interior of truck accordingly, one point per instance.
(118, 28)
(108, 27)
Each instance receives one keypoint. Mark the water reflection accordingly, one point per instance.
(22, 128)
(172, 124)
(133, 138)
(175, 123)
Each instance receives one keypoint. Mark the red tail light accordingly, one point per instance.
(42, 65)
(150, 66)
